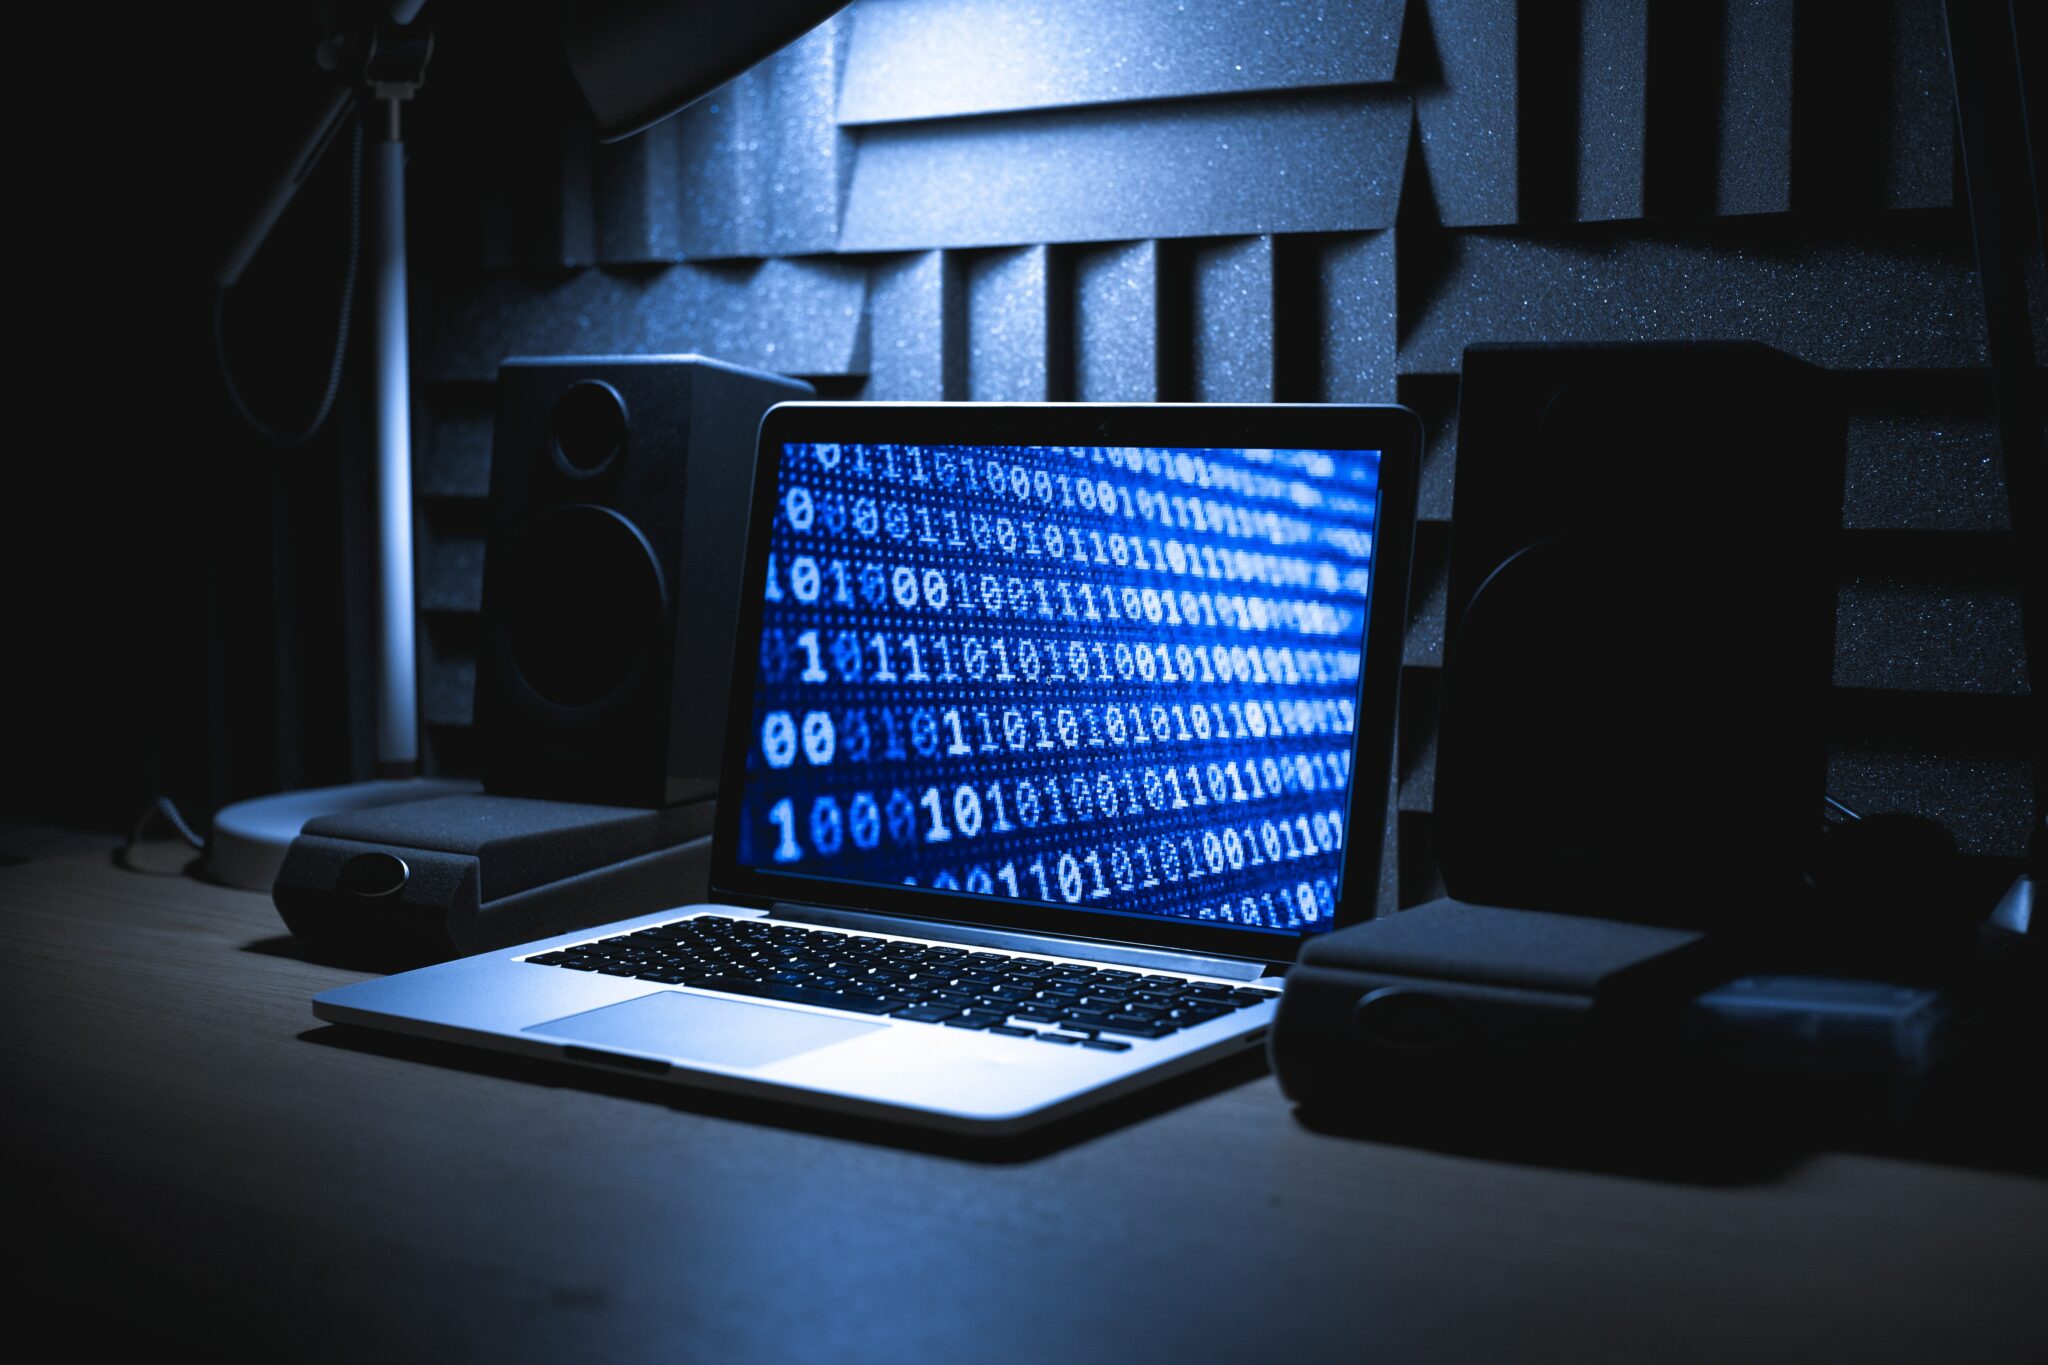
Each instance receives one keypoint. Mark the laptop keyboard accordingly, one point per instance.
(1063, 1003)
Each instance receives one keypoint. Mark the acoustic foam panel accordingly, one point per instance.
(929, 59)
(1100, 289)
(799, 316)
(1306, 161)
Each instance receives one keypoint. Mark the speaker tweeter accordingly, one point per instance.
(587, 430)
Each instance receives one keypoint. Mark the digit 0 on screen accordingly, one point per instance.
(1107, 678)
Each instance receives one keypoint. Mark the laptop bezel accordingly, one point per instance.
(1394, 431)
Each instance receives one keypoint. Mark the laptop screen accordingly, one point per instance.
(1112, 679)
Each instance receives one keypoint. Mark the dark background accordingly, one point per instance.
(976, 199)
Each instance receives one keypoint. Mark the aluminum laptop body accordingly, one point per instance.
(1055, 729)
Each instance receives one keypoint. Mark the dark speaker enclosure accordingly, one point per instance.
(1641, 616)
(617, 524)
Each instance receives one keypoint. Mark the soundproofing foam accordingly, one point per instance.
(934, 59)
(1234, 199)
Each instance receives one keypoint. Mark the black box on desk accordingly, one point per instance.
(611, 585)
(454, 875)
(1469, 1007)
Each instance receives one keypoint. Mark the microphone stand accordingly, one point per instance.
(250, 838)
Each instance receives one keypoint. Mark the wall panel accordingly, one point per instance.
(1135, 200)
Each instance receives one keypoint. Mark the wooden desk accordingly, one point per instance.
(218, 1166)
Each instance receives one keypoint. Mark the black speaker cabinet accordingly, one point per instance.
(618, 514)
(1641, 617)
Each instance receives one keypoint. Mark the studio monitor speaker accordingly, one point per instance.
(618, 515)
(1640, 633)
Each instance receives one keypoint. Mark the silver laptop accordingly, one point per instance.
(1055, 729)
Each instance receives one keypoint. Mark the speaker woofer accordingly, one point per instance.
(587, 606)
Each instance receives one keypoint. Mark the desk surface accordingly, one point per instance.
(219, 1164)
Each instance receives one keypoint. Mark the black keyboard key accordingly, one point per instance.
(967, 1021)
(927, 1014)
(797, 995)
(1135, 1028)
(1037, 1016)
(1251, 997)
(1105, 1045)
(1009, 1031)
(1048, 1036)
(1096, 1018)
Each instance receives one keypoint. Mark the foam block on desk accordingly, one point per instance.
(1471, 1004)
(455, 875)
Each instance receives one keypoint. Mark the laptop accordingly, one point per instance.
(1055, 730)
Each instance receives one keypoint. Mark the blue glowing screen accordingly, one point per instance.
(1100, 678)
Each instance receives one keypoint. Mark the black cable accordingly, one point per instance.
(161, 810)
(169, 809)
(1987, 78)
(348, 295)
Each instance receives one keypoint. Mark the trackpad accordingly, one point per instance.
(695, 1028)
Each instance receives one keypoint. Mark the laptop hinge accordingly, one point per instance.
(1123, 954)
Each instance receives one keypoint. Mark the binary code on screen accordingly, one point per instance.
(1106, 678)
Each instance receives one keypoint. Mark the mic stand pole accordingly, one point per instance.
(250, 838)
